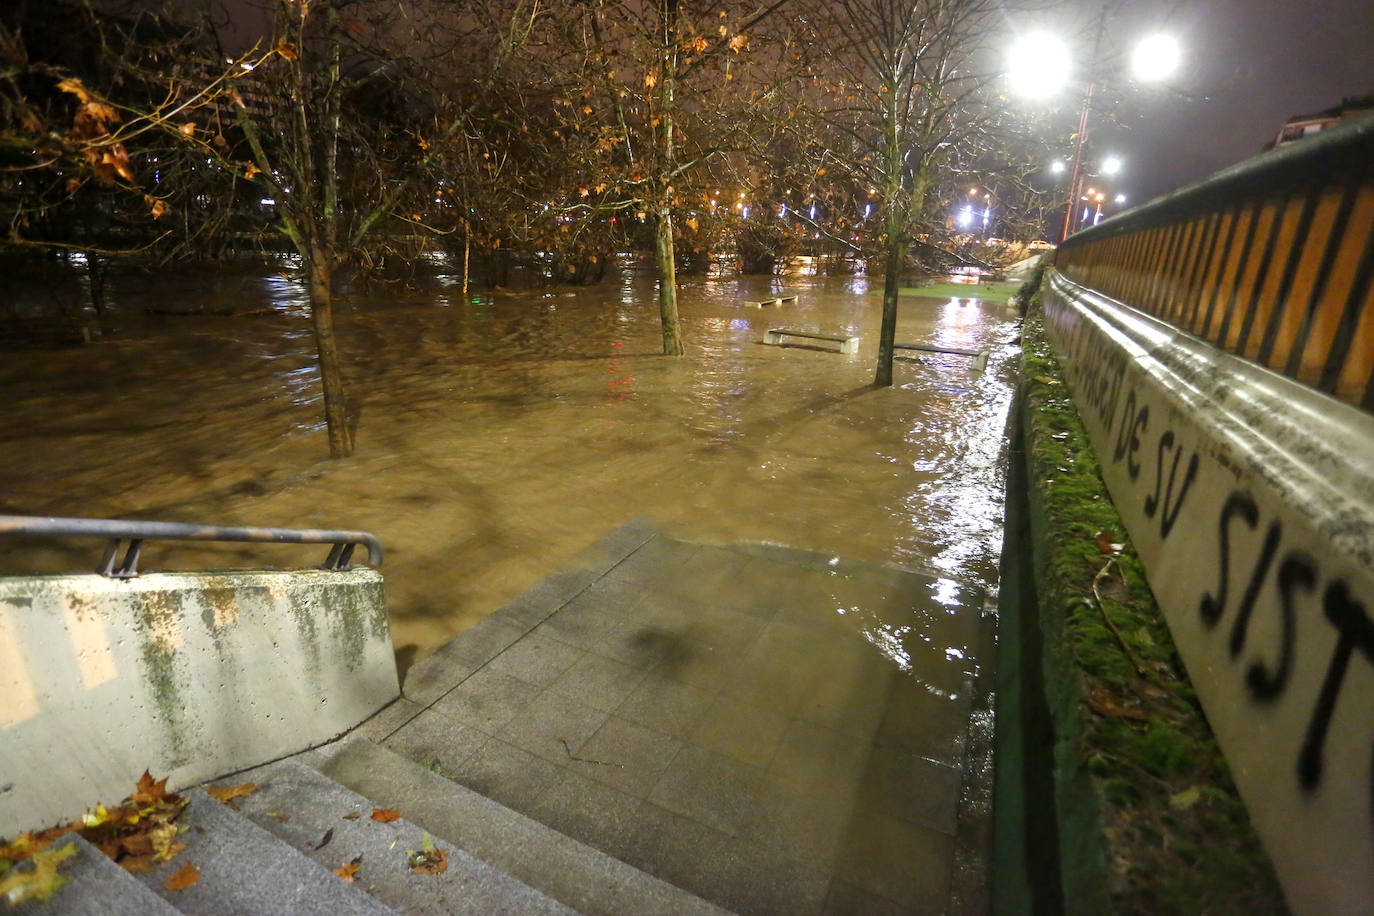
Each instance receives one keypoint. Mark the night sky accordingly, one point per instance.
(1248, 66)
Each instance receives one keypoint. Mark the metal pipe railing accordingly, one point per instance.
(117, 531)
(1271, 260)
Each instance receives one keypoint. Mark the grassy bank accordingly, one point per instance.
(1148, 818)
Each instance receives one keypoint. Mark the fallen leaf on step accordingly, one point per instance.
(149, 791)
(184, 877)
(385, 815)
(353, 815)
(348, 870)
(20, 883)
(228, 793)
(324, 841)
(429, 860)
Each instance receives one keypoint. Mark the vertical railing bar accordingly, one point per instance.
(1193, 300)
(1290, 270)
(1229, 311)
(1215, 296)
(1350, 321)
(1262, 276)
(1334, 243)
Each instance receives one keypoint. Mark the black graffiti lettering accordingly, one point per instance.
(1128, 443)
(1296, 571)
(1238, 503)
(1356, 632)
(1171, 506)
(1247, 601)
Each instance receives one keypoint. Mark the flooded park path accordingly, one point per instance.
(500, 436)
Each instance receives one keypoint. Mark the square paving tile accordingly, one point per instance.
(535, 659)
(811, 759)
(596, 814)
(436, 741)
(639, 644)
(902, 862)
(708, 787)
(912, 789)
(808, 828)
(677, 849)
(745, 731)
(510, 775)
(487, 700)
(598, 681)
(625, 756)
(666, 705)
(751, 882)
(552, 725)
(432, 677)
(845, 899)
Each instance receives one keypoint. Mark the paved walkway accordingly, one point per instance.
(774, 730)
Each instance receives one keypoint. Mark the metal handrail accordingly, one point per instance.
(1271, 260)
(136, 532)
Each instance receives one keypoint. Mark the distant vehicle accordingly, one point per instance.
(1040, 245)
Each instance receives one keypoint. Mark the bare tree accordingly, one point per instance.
(337, 169)
(906, 95)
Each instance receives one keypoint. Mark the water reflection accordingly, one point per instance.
(499, 437)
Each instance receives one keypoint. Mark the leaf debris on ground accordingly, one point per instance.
(184, 877)
(428, 860)
(349, 870)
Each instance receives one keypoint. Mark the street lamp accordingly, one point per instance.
(1038, 65)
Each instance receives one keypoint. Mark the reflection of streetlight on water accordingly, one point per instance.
(1038, 65)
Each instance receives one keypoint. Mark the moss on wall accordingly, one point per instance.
(1149, 820)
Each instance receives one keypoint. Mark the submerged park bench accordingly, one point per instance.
(980, 357)
(776, 300)
(847, 344)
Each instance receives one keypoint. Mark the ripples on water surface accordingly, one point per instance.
(499, 437)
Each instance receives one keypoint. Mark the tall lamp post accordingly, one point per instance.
(1038, 67)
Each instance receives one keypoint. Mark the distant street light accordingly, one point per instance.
(1057, 166)
(1111, 165)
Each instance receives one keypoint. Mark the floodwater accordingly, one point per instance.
(499, 436)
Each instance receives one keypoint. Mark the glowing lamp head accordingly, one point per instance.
(1111, 165)
(1156, 58)
(1038, 65)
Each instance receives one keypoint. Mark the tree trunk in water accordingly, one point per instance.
(883, 377)
(667, 282)
(331, 369)
(467, 250)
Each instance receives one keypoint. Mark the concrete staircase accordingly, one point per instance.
(275, 851)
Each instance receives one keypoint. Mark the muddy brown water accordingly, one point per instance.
(499, 436)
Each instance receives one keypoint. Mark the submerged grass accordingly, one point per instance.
(1145, 791)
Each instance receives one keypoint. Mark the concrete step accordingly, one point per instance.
(307, 809)
(576, 874)
(95, 886)
(246, 870)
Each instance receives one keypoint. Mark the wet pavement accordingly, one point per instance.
(772, 729)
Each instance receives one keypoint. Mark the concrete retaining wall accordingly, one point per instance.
(186, 675)
(1250, 499)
